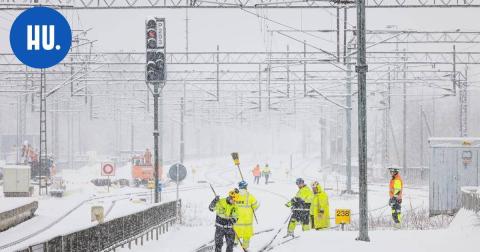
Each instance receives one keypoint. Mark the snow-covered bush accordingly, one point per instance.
(413, 219)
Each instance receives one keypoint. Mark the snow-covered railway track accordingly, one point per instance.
(115, 198)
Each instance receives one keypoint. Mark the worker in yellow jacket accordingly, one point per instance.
(227, 216)
(300, 205)
(395, 193)
(319, 209)
(246, 204)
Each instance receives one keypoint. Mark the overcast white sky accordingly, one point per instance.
(238, 30)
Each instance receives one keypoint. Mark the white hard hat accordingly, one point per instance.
(394, 169)
(25, 142)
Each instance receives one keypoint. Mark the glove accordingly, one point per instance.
(399, 201)
(211, 207)
(232, 221)
(297, 200)
(392, 201)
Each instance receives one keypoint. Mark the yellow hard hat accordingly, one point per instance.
(317, 186)
(233, 194)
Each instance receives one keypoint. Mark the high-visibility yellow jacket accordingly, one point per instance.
(246, 203)
(226, 213)
(396, 186)
(266, 171)
(303, 193)
(320, 210)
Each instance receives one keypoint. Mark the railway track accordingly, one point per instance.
(76, 207)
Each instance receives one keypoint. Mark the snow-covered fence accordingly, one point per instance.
(119, 232)
(471, 198)
(414, 175)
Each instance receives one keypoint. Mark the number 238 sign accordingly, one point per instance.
(342, 216)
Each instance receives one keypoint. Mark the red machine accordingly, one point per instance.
(141, 172)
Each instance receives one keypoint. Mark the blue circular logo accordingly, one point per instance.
(40, 37)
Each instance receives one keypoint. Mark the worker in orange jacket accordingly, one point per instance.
(257, 172)
(395, 193)
(147, 157)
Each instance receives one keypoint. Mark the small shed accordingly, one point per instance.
(454, 162)
(16, 181)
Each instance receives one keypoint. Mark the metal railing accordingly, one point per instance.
(471, 198)
(115, 233)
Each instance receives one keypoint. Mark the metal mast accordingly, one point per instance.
(361, 69)
(43, 132)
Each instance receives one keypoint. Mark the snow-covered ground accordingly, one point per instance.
(198, 221)
(197, 227)
(12, 203)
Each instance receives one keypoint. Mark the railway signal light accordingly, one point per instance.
(151, 33)
(155, 74)
(155, 44)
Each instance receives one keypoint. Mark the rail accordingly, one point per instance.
(115, 233)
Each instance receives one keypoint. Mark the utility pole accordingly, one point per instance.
(288, 72)
(186, 31)
(269, 90)
(361, 69)
(18, 140)
(345, 14)
(386, 114)
(304, 69)
(132, 129)
(43, 132)
(182, 128)
(338, 34)
(348, 121)
(421, 137)
(404, 98)
(463, 97)
(218, 73)
(454, 71)
(160, 139)
(323, 143)
(56, 131)
(259, 88)
(155, 138)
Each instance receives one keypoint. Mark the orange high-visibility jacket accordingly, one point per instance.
(396, 186)
(256, 171)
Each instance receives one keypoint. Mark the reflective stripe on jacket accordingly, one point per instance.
(246, 204)
(305, 194)
(225, 212)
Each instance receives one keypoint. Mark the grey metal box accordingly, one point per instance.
(16, 179)
(453, 164)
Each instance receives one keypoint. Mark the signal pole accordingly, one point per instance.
(155, 75)
(362, 68)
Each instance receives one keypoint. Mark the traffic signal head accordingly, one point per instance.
(151, 33)
(155, 44)
(155, 66)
